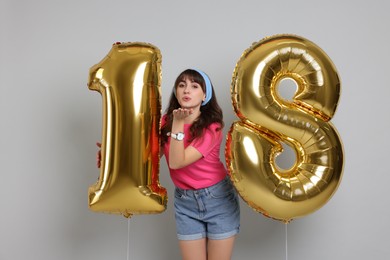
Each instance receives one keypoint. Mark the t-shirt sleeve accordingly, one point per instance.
(210, 139)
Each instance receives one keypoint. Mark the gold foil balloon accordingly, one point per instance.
(129, 79)
(267, 120)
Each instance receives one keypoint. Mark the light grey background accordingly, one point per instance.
(50, 122)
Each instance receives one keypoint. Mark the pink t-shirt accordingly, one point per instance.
(209, 169)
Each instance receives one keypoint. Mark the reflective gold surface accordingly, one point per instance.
(129, 81)
(267, 120)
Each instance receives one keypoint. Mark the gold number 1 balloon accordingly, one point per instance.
(267, 121)
(129, 79)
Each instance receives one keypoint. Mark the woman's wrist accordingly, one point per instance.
(177, 125)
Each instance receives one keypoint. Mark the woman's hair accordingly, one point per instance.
(210, 112)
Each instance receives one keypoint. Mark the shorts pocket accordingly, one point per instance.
(222, 194)
(179, 194)
(224, 190)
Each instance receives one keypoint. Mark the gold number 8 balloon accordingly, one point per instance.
(129, 79)
(267, 120)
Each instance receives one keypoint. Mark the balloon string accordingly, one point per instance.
(128, 238)
(286, 243)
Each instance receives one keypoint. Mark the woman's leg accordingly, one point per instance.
(193, 249)
(220, 249)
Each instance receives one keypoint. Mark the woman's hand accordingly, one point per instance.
(99, 155)
(181, 113)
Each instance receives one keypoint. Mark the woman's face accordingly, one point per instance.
(189, 93)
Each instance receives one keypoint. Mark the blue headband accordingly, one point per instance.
(209, 90)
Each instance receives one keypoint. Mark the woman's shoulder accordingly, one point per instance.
(216, 126)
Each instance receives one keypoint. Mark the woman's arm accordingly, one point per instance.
(178, 156)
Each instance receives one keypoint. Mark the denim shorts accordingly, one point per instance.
(211, 212)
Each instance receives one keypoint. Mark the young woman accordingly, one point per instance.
(206, 204)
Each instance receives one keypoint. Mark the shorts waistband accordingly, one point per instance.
(190, 192)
